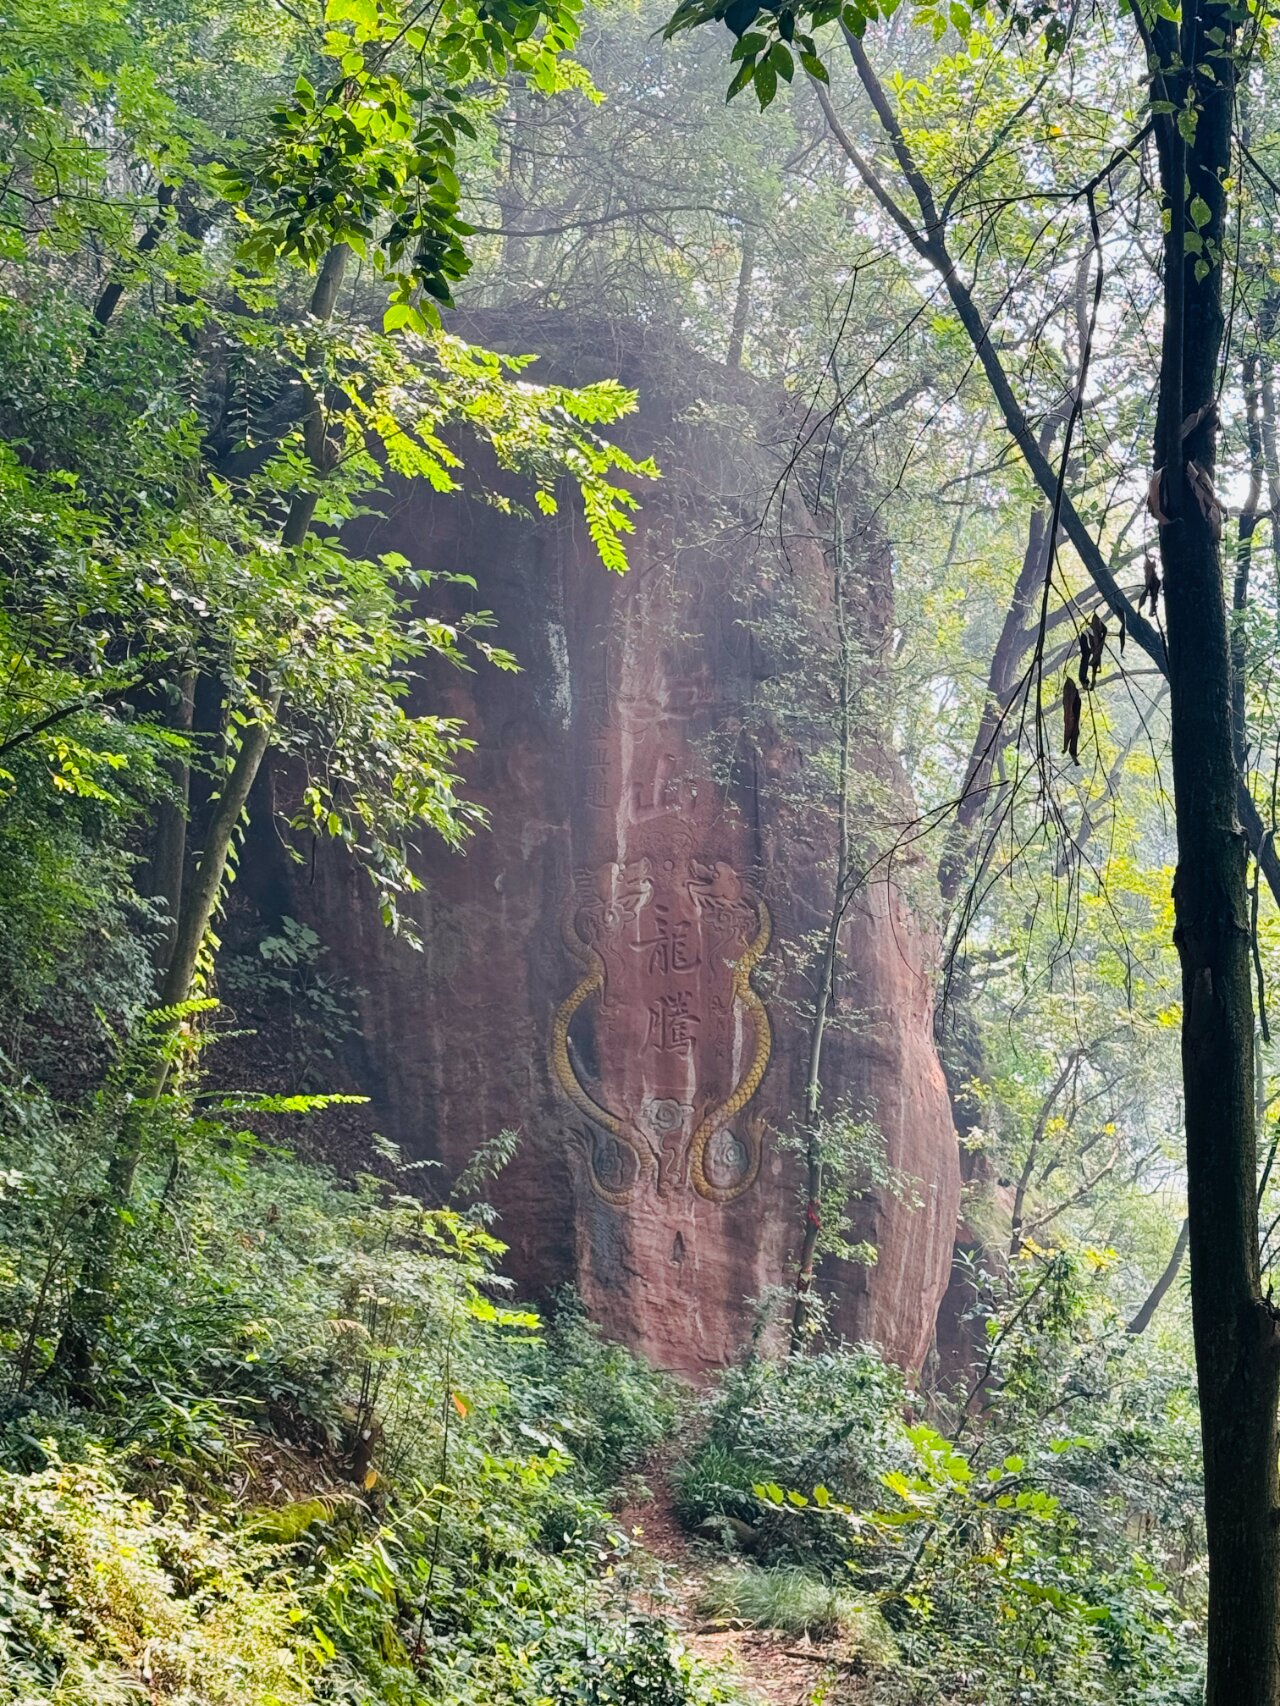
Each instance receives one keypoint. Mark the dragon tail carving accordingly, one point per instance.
(719, 1117)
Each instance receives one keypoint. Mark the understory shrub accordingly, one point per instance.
(103, 1597)
(328, 1460)
(1018, 1546)
(609, 1406)
(834, 1417)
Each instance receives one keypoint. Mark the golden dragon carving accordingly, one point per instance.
(588, 985)
(719, 1117)
(715, 1120)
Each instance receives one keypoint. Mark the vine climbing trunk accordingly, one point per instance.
(169, 854)
(1237, 1354)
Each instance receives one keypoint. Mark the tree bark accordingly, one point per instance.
(1237, 1358)
(1237, 1361)
(109, 300)
(990, 740)
(1248, 526)
(1018, 1214)
(742, 302)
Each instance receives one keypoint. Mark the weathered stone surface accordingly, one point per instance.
(605, 970)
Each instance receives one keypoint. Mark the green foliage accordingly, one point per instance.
(369, 157)
(282, 979)
(611, 1409)
(634, 1662)
(103, 1594)
(830, 1418)
(167, 400)
(1000, 1581)
(1008, 1550)
(329, 1461)
(850, 1153)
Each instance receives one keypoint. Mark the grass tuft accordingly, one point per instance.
(795, 1602)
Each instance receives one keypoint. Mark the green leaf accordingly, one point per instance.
(746, 71)
(766, 82)
(401, 314)
(751, 44)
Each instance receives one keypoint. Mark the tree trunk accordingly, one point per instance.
(1248, 526)
(1237, 1356)
(930, 242)
(742, 302)
(991, 738)
(806, 1275)
(169, 854)
(1160, 1290)
(73, 1359)
(1235, 1329)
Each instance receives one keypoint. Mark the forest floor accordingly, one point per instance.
(771, 1669)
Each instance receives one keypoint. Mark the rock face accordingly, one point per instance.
(615, 969)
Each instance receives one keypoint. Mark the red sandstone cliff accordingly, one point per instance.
(610, 969)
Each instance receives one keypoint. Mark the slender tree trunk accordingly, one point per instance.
(90, 1302)
(169, 855)
(1271, 455)
(1160, 1290)
(1018, 1215)
(206, 885)
(929, 239)
(1237, 1359)
(990, 740)
(1248, 526)
(807, 1272)
(114, 290)
(742, 302)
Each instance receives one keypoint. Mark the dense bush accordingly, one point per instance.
(327, 1459)
(833, 1418)
(610, 1407)
(1019, 1546)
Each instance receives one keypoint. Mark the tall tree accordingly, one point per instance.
(197, 250)
(1196, 55)
(1195, 63)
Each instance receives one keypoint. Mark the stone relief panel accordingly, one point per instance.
(663, 1042)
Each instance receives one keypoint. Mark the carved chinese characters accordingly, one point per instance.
(663, 1042)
